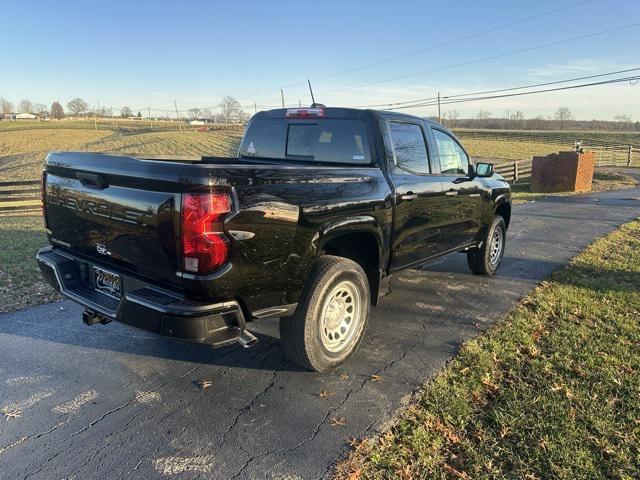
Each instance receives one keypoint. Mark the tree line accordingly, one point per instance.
(228, 110)
(562, 119)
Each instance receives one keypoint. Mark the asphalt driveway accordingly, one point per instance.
(115, 402)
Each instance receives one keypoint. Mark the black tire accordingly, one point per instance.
(485, 260)
(302, 333)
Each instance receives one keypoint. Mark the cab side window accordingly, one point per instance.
(453, 159)
(409, 148)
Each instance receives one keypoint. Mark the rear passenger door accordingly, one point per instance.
(463, 204)
(418, 193)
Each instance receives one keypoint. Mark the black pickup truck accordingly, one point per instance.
(306, 224)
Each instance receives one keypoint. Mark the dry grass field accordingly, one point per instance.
(22, 152)
(508, 150)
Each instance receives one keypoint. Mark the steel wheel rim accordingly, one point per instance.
(496, 245)
(340, 316)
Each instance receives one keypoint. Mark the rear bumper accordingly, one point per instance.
(143, 305)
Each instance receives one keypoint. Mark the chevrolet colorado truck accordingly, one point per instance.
(306, 224)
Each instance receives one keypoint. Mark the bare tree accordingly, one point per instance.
(451, 115)
(125, 112)
(623, 120)
(194, 113)
(57, 112)
(40, 110)
(77, 106)
(25, 106)
(516, 118)
(105, 112)
(229, 108)
(6, 107)
(563, 114)
(483, 115)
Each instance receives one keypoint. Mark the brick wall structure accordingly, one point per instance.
(563, 172)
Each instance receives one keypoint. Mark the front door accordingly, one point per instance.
(418, 195)
(462, 192)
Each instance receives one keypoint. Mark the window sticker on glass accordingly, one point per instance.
(251, 149)
(325, 137)
(358, 157)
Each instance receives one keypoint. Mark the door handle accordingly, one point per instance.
(451, 193)
(92, 180)
(409, 196)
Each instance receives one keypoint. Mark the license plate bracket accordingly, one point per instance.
(108, 282)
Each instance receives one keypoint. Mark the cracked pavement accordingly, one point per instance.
(125, 404)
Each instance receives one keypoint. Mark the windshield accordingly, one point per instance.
(324, 140)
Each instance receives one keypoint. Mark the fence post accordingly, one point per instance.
(629, 156)
(515, 171)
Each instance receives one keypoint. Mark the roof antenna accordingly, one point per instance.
(313, 100)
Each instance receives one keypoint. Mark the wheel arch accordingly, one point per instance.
(359, 238)
(503, 208)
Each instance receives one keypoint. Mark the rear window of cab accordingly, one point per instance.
(322, 140)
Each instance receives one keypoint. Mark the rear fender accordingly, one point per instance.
(358, 224)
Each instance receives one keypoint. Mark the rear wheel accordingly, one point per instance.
(486, 259)
(331, 317)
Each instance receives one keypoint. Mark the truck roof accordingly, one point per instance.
(339, 112)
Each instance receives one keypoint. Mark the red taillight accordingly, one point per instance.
(205, 247)
(43, 197)
(315, 112)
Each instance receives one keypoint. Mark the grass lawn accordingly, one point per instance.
(601, 182)
(20, 282)
(552, 391)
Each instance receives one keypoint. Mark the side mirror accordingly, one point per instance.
(484, 169)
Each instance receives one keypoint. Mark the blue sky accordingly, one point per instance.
(147, 53)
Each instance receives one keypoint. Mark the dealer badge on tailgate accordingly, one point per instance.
(107, 282)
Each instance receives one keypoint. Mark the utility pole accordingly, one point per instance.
(95, 113)
(178, 115)
(255, 107)
(282, 95)
(439, 117)
(149, 115)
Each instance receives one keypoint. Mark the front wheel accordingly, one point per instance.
(329, 323)
(487, 258)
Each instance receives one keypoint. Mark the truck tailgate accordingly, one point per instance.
(119, 211)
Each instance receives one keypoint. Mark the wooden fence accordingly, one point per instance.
(518, 171)
(20, 196)
(615, 155)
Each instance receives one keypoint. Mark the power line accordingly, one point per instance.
(432, 47)
(587, 77)
(570, 87)
(416, 102)
(432, 101)
(460, 39)
(492, 57)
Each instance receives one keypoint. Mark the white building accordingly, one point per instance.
(26, 116)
